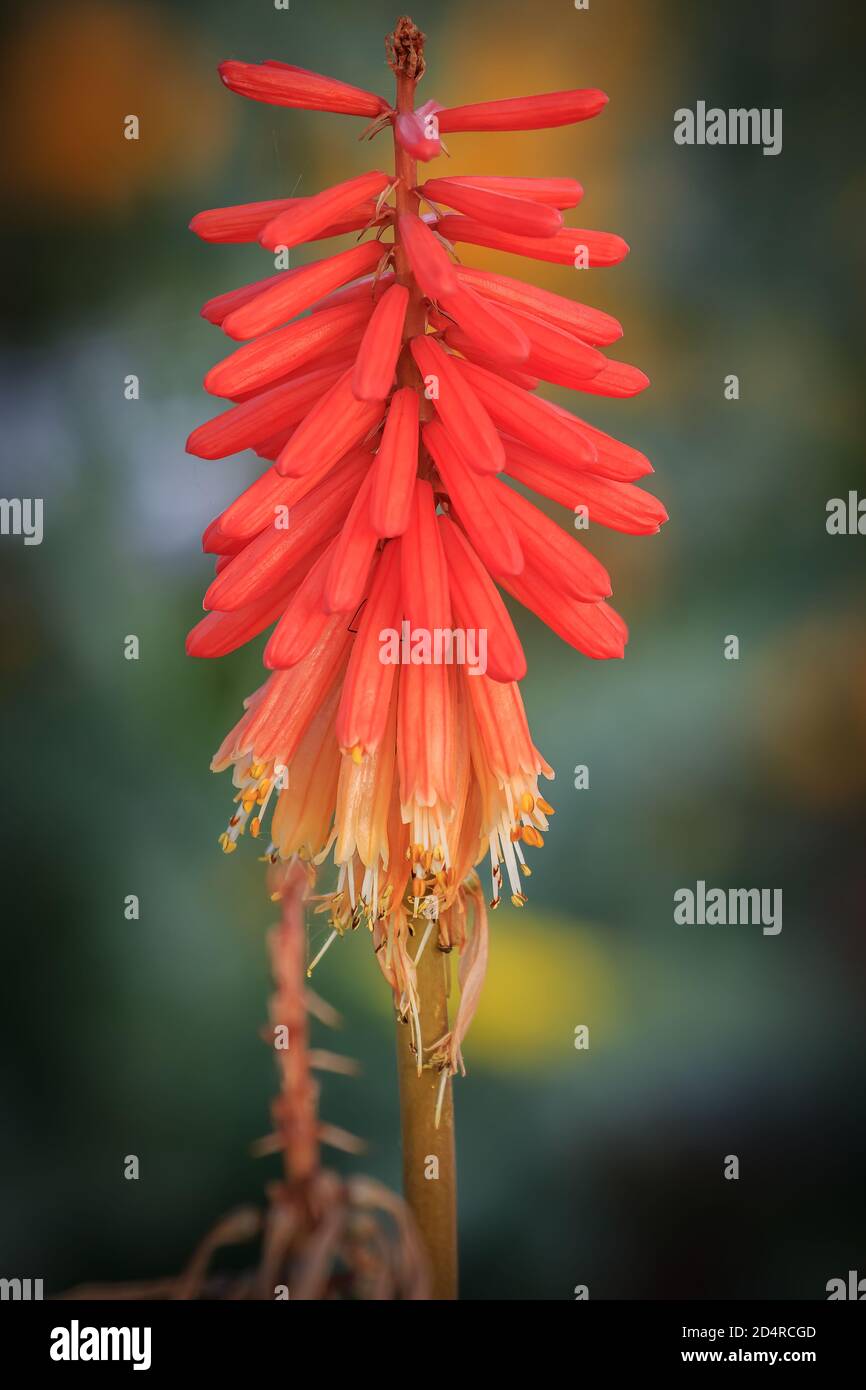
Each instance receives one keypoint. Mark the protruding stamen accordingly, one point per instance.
(315, 961)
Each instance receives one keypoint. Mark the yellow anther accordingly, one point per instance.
(256, 770)
(518, 900)
(545, 806)
(531, 836)
(516, 832)
(263, 791)
(526, 871)
(230, 846)
(527, 802)
(255, 827)
(357, 753)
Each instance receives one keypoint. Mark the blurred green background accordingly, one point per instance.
(601, 1167)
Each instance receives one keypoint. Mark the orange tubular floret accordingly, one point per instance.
(282, 84)
(518, 215)
(529, 419)
(424, 725)
(525, 113)
(458, 406)
(494, 537)
(304, 223)
(333, 426)
(380, 346)
(476, 604)
(589, 324)
(363, 711)
(395, 466)
(265, 359)
(565, 247)
(494, 332)
(303, 620)
(293, 291)
(557, 193)
(431, 265)
(620, 506)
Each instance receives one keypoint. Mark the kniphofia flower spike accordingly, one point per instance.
(390, 391)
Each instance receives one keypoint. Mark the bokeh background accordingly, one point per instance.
(602, 1167)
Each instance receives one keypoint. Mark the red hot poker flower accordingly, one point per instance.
(391, 391)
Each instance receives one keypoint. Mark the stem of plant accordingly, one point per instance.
(429, 1171)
